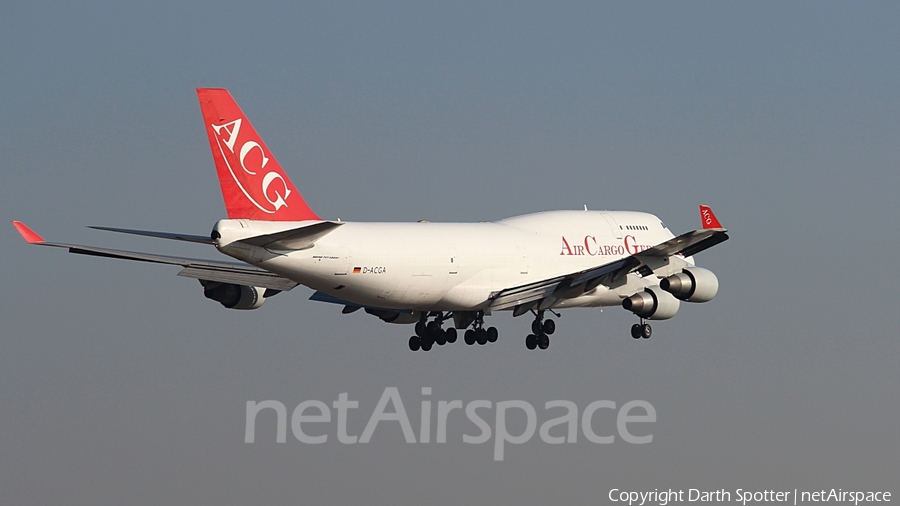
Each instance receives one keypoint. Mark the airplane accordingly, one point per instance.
(425, 273)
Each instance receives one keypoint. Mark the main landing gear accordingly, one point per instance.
(541, 330)
(430, 333)
(641, 330)
(478, 334)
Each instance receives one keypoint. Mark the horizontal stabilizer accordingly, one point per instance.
(202, 239)
(295, 238)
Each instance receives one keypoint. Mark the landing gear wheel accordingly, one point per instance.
(420, 328)
(531, 342)
(646, 331)
(451, 335)
(536, 327)
(636, 331)
(481, 336)
(426, 344)
(440, 337)
(549, 327)
(470, 337)
(492, 334)
(543, 341)
(414, 343)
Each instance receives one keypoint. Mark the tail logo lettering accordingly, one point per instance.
(279, 200)
(708, 218)
(232, 131)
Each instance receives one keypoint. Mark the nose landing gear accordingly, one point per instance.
(641, 330)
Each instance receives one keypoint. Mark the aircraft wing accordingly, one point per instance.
(547, 292)
(687, 244)
(223, 272)
(544, 294)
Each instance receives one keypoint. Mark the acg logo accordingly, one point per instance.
(279, 193)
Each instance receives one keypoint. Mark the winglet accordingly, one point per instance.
(29, 235)
(709, 219)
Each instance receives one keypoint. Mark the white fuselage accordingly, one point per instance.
(454, 266)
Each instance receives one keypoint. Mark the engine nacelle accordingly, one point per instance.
(692, 284)
(395, 316)
(234, 296)
(653, 304)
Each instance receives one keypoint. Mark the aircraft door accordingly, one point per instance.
(453, 268)
(342, 262)
(522, 259)
(616, 229)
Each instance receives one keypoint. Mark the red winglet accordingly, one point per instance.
(709, 219)
(29, 235)
(253, 184)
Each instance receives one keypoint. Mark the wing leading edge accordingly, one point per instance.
(223, 272)
(544, 294)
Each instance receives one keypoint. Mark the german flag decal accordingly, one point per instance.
(357, 270)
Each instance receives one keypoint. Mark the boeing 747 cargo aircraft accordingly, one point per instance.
(426, 274)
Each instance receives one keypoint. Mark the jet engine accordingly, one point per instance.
(692, 284)
(234, 296)
(652, 303)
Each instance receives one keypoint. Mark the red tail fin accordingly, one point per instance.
(708, 219)
(253, 184)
